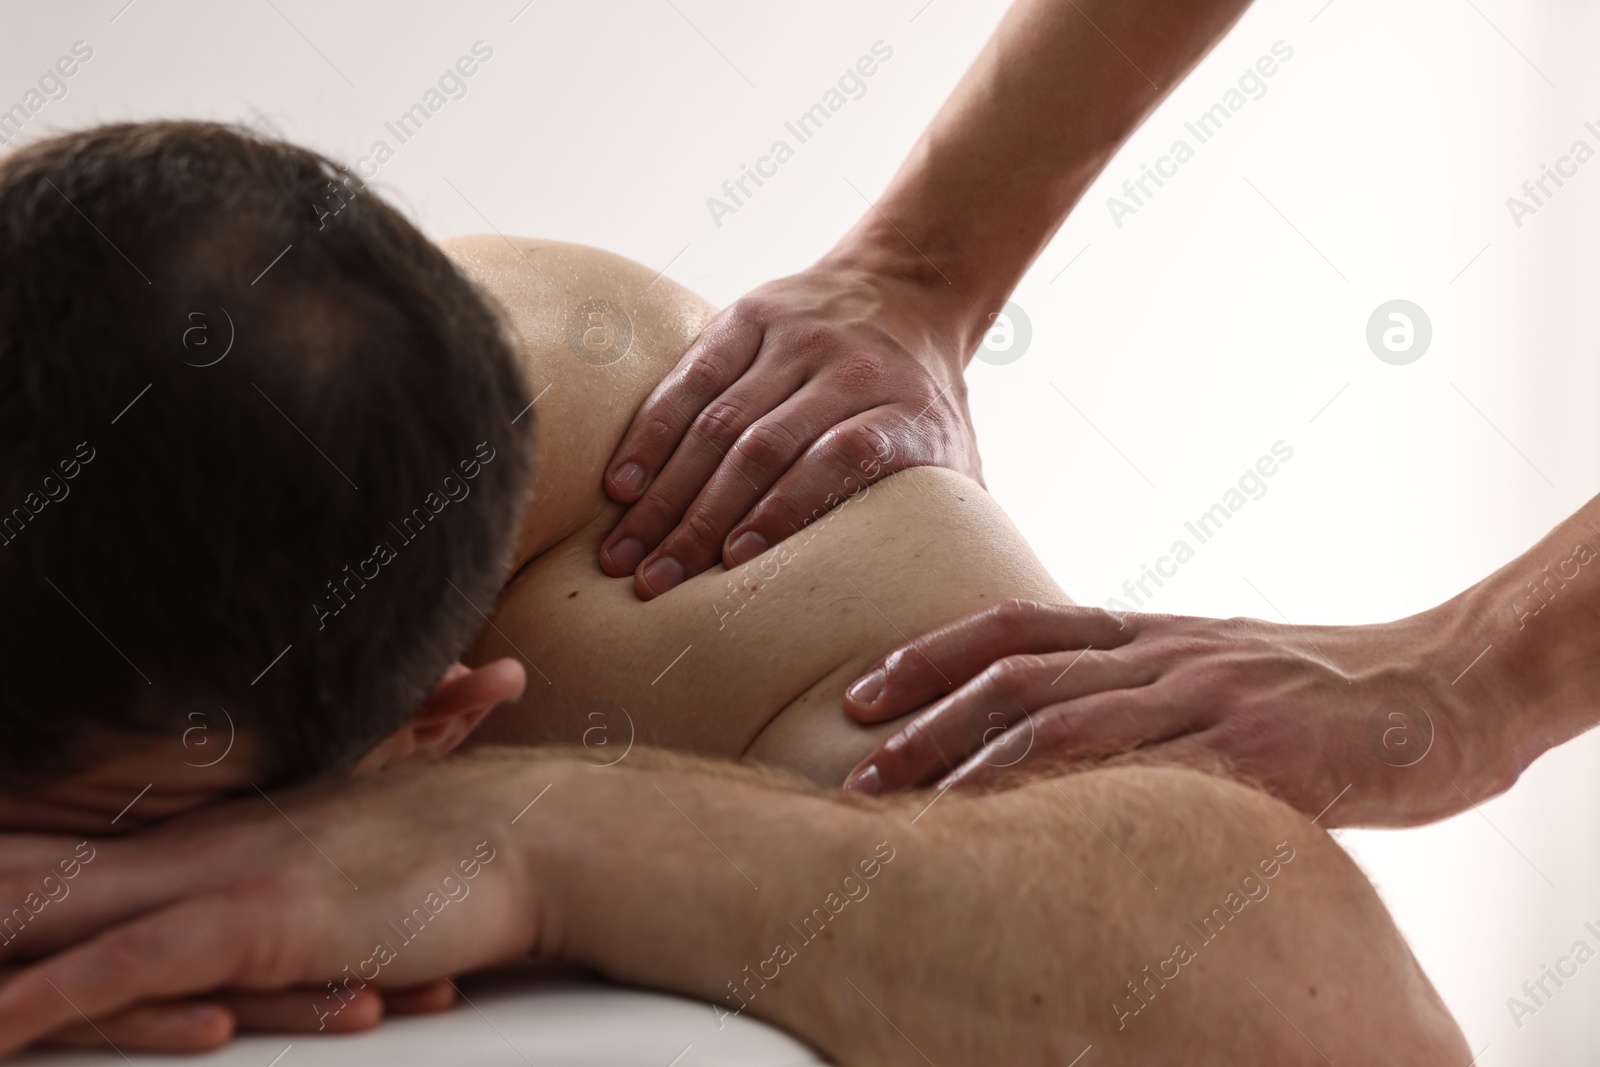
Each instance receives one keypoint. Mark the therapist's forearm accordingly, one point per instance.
(1536, 625)
(1056, 91)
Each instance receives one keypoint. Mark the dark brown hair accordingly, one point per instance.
(257, 449)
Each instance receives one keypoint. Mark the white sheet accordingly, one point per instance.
(512, 1019)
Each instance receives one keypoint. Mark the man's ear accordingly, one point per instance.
(460, 702)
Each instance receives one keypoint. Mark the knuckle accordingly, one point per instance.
(1105, 618)
(660, 429)
(1018, 611)
(700, 376)
(720, 422)
(812, 338)
(125, 951)
(777, 516)
(1130, 662)
(1013, 617)
(1056, 729)
(698, 532)
(905, 660)
(853, 447)
(1010, 676)
(652, 515)
(749, 311)
(923, 744)
(768, 447)
(861, 370)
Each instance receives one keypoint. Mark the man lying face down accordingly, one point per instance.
(263, 487)
(252, 555)
(215, 403)
(269, 451)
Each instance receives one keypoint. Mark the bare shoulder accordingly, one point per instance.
(583, 316)
(526, 271)
(595, 332)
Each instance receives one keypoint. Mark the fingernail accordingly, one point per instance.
(867, 688)
(629, 478)
(663, 574)
(626, 554)
(866, 781)
(747, 546)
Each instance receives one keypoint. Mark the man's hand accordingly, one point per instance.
(374, 888)
(209, 1022)
(1366, 715)
(803, 392)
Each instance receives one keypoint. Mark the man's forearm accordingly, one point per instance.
(1015, 928)
(671, 874)
(1055, 92)
(1527, 639)
(878, 937)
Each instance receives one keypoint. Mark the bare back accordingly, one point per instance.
(749, 663)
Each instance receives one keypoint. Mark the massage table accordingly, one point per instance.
(508, 1018)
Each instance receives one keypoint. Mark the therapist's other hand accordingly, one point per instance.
(237, 898)
(1364, 715)
(801, 393)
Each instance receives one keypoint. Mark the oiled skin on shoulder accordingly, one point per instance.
(749, 663)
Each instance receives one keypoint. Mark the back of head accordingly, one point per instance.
(256, 449)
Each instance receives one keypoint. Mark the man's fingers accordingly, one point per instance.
(173, 1027)
(347, 1008)
(941, 660)
(976, 715)
(198, 1026)
(723, 351)
(421, 1000)
(79, 897)
(176, 952)
(32, 855)
(758, 458)
(343, 1010)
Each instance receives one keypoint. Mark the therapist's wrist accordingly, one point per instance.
(1504, 703)
(1539, 635)
(931, 276)
(1479, 719)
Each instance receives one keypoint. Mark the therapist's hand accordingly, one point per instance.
(799, 394)
(818, 383)
(1362, 723)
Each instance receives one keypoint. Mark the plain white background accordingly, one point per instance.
(1167, 353)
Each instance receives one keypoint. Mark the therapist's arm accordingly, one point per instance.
(816, 384)
(1393, 724)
